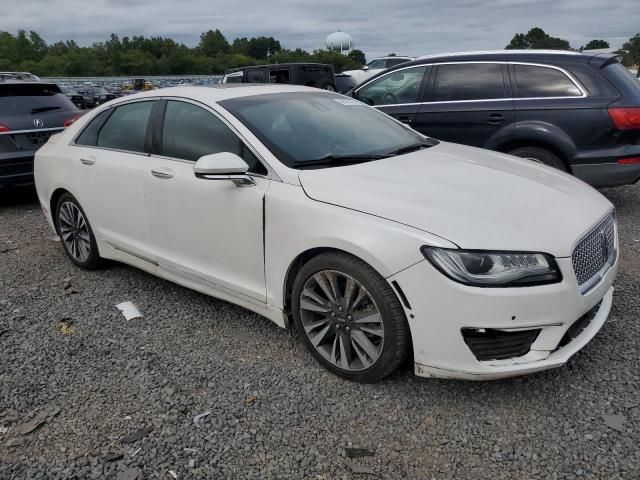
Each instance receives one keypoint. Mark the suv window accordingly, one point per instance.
(534, 82)
(256, 76)
(469, 81)
(126, 128)
(30, 98)
(280, 75)
(190, 132)
(376, 64)
(401, 86)
(392, 62)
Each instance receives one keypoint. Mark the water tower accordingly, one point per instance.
(340, 42)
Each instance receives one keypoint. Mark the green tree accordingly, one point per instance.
(536, 38)
(263, 47)
(632, 49)
(593, 44)
(358, 56)
(212, 43)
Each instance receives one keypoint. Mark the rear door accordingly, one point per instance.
(110, 156)
(468, 103)
(397, 93)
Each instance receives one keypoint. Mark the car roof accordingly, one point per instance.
(222, 91)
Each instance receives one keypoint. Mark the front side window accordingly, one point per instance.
(126, 128)
(191, 132)
(538, 82)
(305, 128)
(399, 87)
(377, 64)
(233, 78)
(468, 81)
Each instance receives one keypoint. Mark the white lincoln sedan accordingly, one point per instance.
(316, 210)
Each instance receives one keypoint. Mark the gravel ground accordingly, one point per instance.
(93, 381)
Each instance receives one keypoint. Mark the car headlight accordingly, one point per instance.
(494, 269)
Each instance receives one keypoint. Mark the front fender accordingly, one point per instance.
(295, 224)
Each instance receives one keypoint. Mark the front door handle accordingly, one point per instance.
(495, 119)
(404, 119)
(162, 173)
(87, 161)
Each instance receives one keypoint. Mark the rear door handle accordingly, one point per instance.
(404, 119)
(162, 173)
(495, 118)
(87, 161)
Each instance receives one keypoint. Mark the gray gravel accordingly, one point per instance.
(275, 413)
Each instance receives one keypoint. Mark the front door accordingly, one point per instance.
(207, 230)
(397, 94)
(468, 103)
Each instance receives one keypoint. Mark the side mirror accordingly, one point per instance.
(365, 68)
(223, 166)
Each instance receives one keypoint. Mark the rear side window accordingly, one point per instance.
(256, 76)
(126, 128)
(32, 98)
(470, 81)
(89, 135)
(190, 132)
(280, 75)
(542, 82)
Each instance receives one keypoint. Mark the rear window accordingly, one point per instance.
(28, 99)
(256, 76)
(544, 82)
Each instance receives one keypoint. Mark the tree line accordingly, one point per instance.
(539, 39)
(139, 55)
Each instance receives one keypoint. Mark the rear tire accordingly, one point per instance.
(349, 318)
(542, 155)
(75, 233)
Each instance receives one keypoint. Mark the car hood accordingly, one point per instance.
(474, 198)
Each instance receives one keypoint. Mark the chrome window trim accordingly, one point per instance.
(573, 80)
(13, 132)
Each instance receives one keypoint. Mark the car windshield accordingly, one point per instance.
(378, 63)
(304, 129)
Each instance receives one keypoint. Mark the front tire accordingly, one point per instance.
(349, 318)
(75, 233)
(542, 155)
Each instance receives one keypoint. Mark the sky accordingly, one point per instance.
(378, 27)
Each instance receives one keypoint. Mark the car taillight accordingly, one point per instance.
(629, 161)
(71, 121)
(625, 118)
(4, 128)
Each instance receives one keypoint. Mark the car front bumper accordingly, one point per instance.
(441, 310)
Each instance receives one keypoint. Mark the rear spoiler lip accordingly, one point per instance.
(602, 60)
(35, 130)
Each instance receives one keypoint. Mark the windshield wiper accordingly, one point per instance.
(338, 160)
(409, 148)
(44, 109)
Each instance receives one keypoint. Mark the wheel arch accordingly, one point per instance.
(53, 203)
(296, 265)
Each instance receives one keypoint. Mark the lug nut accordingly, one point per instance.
(349, 317)
(333, 314)
(340, 309)
(348, 329)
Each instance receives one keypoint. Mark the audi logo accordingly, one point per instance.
(38, 123)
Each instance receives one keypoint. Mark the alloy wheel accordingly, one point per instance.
(74, 231)
(341, 320)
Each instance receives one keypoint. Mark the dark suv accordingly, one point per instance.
(317, 75)
(30, 112)
(577, 112)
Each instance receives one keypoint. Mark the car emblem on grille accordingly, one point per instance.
(38, 123)
(605, 246)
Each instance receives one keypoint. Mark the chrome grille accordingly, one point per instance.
(594, 252)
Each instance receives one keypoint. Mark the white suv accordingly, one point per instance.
(376, 66)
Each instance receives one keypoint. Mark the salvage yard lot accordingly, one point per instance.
(275, 412)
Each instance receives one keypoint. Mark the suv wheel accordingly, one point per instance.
(542, 155)
(349, 318)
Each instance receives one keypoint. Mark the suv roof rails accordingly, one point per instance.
(18, 76)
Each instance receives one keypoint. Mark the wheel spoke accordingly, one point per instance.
(313, 306)
(370, 318)
(362, 293)
(363, 342)
(349, 292)
(310, 294)
(321, 280)
(346, 353)
(378, 332)
(335, 288)
(313, 325)
(319, 337)
(361, 355)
